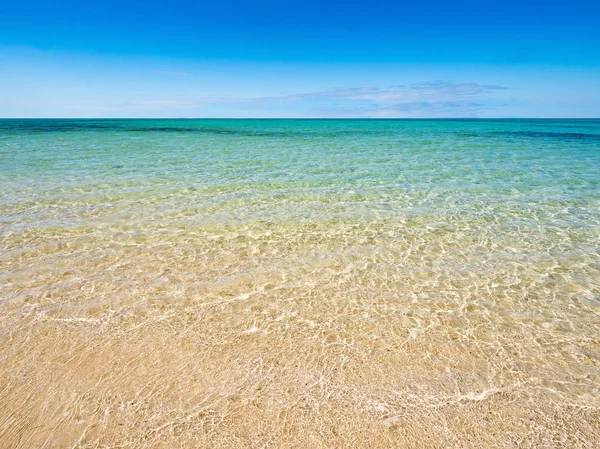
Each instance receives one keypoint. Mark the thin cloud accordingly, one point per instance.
(434, 91)
(426, 99)
(420, 109)
(162, 103)
(170, 72)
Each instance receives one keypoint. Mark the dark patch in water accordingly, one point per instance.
(33, 126)
(219, 131)
(162, 129)
(548, 135)
(43, 126)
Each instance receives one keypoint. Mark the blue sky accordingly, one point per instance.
(300, 59)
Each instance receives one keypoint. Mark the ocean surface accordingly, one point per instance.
(300, 283)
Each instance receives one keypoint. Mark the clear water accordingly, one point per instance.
(433, 264)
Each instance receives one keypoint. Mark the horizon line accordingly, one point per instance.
(300, 118)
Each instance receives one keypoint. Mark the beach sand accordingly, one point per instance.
(289, 337)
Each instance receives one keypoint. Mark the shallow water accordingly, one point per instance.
(299, 283)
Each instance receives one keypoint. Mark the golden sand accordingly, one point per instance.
(295, 335)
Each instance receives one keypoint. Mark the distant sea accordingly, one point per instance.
(418, 269)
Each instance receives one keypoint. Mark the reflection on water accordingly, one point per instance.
(299, 283)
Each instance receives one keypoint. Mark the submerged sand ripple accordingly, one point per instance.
(342, 334)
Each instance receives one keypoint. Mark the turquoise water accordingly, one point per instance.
(73, 172)
(527, 190)
(431, 262)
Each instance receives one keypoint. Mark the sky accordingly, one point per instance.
(241, 58)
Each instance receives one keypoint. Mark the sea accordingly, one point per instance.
(301, 283)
